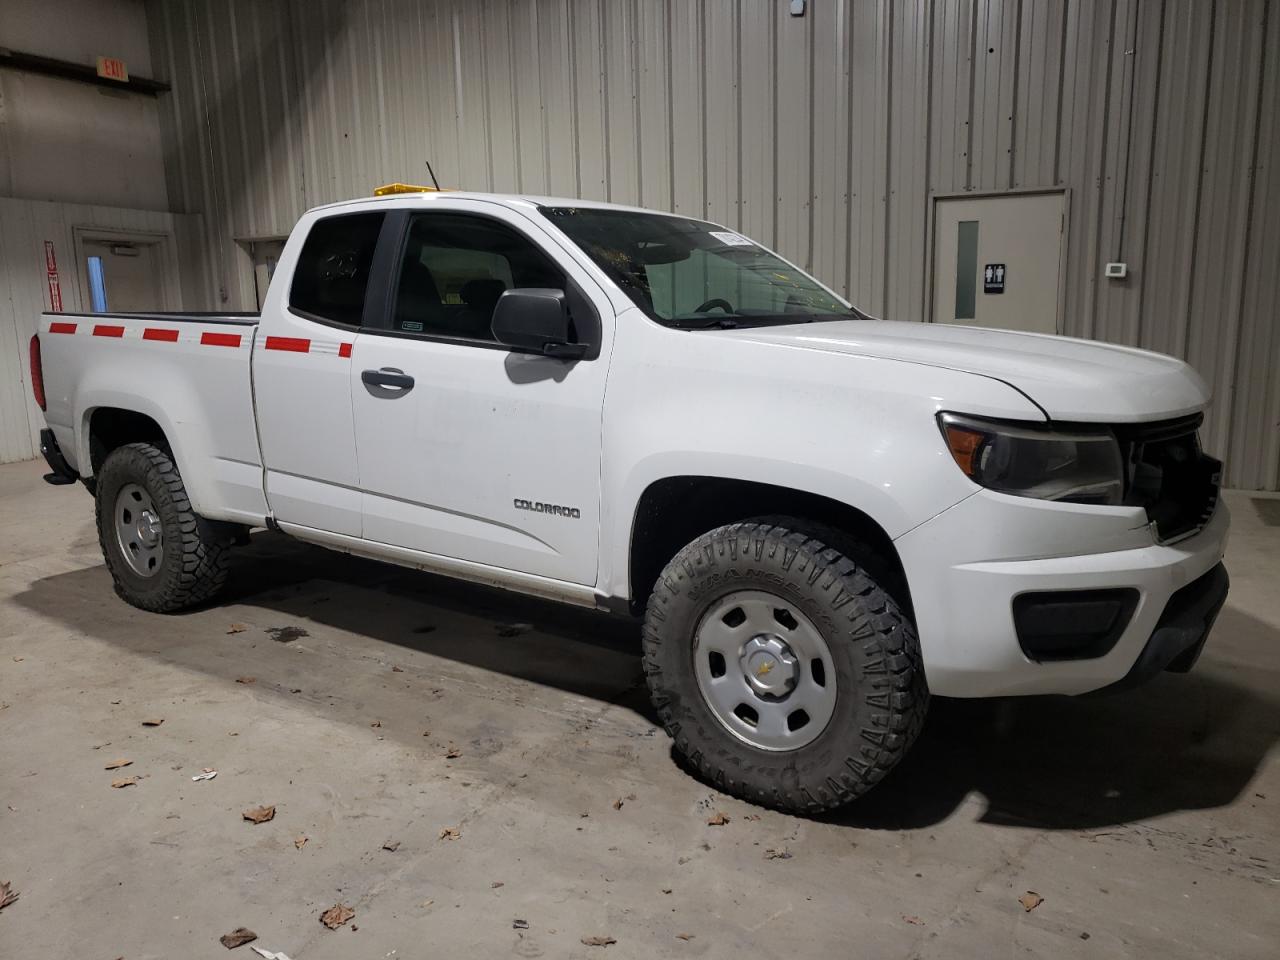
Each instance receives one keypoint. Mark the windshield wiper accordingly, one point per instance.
(705, 323)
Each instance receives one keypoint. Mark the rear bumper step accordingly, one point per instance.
(62, 473)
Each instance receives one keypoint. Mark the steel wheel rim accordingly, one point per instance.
(139, 533)
(764, 670)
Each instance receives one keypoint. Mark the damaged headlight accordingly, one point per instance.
(1079, 466)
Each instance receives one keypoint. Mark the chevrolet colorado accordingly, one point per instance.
(821, 517)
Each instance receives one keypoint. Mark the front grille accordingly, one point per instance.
(1169, 476)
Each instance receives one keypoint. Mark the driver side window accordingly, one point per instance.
(455, 267)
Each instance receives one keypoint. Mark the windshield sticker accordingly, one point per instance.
(732, 239)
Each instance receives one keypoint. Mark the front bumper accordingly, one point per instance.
(966, 566)
(1180, 633)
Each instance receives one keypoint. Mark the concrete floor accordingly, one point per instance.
(1148, 823)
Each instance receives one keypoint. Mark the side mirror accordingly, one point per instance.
(537, 319)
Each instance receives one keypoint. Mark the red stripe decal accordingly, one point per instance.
(59, 326)
(344, 349)
(108, 330)
(156, 333)
(220, 339)
(291, 344)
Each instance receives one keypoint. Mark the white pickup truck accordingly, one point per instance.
(821, 517)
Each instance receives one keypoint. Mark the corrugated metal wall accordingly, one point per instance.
(825, 136)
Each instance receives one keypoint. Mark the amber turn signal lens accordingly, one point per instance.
(964, 445)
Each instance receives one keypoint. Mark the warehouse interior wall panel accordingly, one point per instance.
(826, 136)
(72, 142)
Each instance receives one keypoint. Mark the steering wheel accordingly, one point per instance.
(714, 302)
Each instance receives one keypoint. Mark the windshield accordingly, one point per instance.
(696, 275)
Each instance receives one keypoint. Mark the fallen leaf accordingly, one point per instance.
(237, 628)
(207, 774)
(1030, 900)
(617, 804)
(7, 894)
(246, 679)
(453, 753)
(237, 937)
(666, 889)
(684, 936)
(124, 782)
(153, 723)
(913, 920)
(598, 941)
(395, 669)
(300, 841)
(449, 833)
(336, 916)
(781, 853)
(718, 819)
(18, 659)
(426, 733)
(116, 703)
(519, 924)
(260, 814)
(496, 884)
(117, 764)
(376, 723)
(427, 903)
(391, 846)
(752, 816)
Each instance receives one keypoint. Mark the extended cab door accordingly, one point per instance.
(467, 449)
(302, 372)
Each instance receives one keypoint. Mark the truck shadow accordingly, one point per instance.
(1180, 743)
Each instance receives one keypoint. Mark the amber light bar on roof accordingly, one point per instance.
(389, 188)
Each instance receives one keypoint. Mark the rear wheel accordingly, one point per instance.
(784, 672)
(162, 557)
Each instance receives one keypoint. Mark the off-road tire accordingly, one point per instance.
(194, 567)
(881, 697)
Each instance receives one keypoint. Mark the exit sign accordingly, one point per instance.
(110, 68)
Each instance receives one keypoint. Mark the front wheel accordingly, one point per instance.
(162, 557)
(786, 675)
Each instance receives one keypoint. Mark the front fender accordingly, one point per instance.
(858, 430)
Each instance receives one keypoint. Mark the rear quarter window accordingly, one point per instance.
(332, 275)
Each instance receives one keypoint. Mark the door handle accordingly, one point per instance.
(388, 377)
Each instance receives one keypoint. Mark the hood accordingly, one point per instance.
(1069, 379)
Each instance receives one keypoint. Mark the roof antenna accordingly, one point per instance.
(433, 176)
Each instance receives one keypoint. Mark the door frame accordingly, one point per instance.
(166, 259)
(931, 267)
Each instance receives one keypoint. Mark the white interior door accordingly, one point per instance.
(998, 261)
(122, 276)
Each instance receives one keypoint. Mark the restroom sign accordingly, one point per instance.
(993, 278)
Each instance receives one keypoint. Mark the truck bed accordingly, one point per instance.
(189, 372)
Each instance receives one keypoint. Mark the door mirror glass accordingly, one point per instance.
(537, 319)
